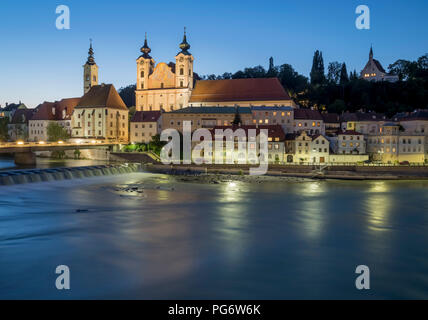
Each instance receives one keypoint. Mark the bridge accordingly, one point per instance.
(24, 152)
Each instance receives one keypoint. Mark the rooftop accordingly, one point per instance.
(212, 110)
(146, 116)
(102, 96)
(307, 114)
(253, 89)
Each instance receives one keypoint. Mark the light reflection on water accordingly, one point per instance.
(233, 240)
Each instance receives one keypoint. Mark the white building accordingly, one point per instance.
(51, 112)
(144, 126)
(373, 71)
(392, 145)
(101, 114)
(311, 149)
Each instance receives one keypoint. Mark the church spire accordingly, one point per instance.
(184, 46)
(371, 53)
(91, 60)
(145, 49)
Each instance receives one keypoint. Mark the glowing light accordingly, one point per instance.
(93, 142)
(20, 143)
(232, 184)
(41, 142)
(60, 142)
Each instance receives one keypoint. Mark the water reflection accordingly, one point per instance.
(313, 209)
(379, 203)
(231, 240)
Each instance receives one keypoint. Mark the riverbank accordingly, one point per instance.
(298, 172)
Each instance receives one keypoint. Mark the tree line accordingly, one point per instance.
(338, 90)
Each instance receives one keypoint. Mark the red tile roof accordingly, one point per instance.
(350, 133)
(146, 116)
(253, 89)
(102, 96)
(45, 111)
(307, 114)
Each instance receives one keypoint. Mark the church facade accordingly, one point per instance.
(164, 86)
(373, 71)
(170, 87)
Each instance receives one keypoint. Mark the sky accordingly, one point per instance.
(40, 63)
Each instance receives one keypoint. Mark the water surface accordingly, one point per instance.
(233, 240)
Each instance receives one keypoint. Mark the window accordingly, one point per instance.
(181, 71)
(162, 85)
(181, 84)
(142, 74)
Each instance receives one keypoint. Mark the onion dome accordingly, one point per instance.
(91, 60)
(145, 49)
(184, 46)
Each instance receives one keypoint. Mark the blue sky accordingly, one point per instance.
(40, 63)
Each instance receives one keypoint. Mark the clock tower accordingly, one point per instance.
(90, 72)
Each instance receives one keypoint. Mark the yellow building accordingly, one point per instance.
(101, 114)
(164, 86)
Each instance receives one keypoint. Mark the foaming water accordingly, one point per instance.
(140, 235)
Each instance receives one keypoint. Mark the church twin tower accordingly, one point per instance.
(163, 86)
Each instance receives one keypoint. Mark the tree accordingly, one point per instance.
(4, 136)
(353, 75)
(292, 80)
(317, 71)
(401, 68)
(237, 120)
(338, 106)
(128, 95)
(273, 71)
(343, 75)
(57, 132)
(334, 69)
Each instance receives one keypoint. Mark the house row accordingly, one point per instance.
(99, 115)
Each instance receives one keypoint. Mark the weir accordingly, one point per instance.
(57, 174)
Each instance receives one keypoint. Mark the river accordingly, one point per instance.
(233, 240)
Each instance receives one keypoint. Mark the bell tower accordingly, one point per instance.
(184, 65)
(145, 66)
(90, 71)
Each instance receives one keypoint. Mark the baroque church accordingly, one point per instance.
(173, 86)
(164, 86)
